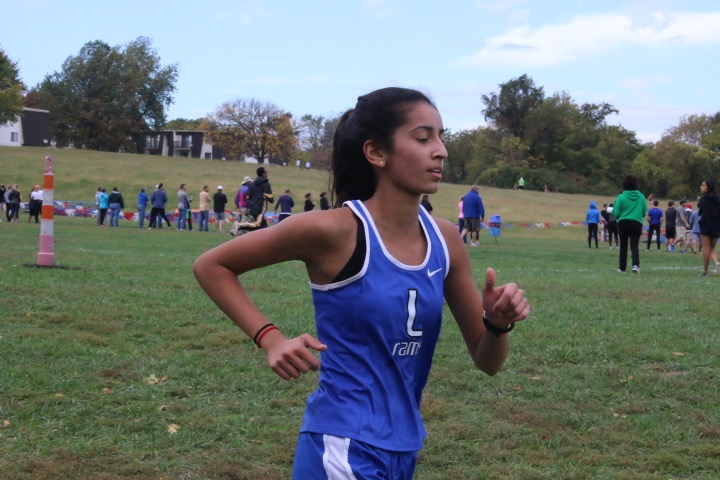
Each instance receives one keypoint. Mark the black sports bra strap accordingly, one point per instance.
(357, 259)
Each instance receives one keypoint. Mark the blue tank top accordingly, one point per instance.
(381, 327)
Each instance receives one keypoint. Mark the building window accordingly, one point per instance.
(14, 137)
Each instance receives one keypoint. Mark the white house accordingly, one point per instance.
(32, 129)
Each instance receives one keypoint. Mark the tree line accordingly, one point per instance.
(111, 97)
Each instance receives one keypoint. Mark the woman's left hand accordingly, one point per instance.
(505, 304)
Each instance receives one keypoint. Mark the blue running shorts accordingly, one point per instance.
(325, 457)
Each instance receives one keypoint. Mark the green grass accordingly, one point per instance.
(612, 377)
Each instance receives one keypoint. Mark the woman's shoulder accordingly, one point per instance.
(334, 222)
(447, 228)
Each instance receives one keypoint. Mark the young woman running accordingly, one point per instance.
(380, 269)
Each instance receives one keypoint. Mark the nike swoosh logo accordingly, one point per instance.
(430, 274)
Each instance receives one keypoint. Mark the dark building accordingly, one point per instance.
(35, 127)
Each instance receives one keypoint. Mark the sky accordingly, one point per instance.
(654, 60)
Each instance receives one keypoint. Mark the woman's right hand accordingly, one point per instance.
(289, 358)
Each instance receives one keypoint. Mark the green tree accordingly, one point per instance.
(712, 139)
(618, 147)
(316, 138)
(108, 98)
(248, 127)
(185, 124)
(676, 165)
(596, 114)
(691, 129)
(552, 140)
(282, 145)
(11, 90)
(675, 169)
(461, 148)
(509, 108)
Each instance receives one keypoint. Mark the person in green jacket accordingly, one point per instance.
(630, 209)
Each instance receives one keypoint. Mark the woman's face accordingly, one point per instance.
(416, 161)
(703, 187)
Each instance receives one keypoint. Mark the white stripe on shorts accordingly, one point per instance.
(335, 458)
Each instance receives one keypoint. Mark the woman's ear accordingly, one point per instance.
(374, 153)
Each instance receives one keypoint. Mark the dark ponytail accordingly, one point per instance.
(376, 117)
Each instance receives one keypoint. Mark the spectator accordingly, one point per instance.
(182, 206)
(681, 224)
(103, 205)
(285, 203)
(655, 218)
(115, 203)
(709, 212)
(309, 204)
(259, 195)
(670, 225)
(3, 199)
(142, 203)
(36, 201)
(324, 202)
(592, 218)
(605, 217)
(688, 233)
(630, 210)
(204, 209)
(219, 202)
(188, 212)
(241, 196)
(14, 198)
(158, 200)
(612, 228)
(474, 213)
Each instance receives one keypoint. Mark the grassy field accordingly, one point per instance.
(117, 366)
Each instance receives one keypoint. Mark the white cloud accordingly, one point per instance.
(592, 34)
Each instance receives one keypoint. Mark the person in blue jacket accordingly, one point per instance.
(157, 213)
(474, 214)
(592, 218)
(103, 205)
(142, 203)
(380, 269)
(655, 217)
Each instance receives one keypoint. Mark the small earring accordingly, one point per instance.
(382, 163)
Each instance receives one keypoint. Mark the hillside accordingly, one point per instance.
(78, 173)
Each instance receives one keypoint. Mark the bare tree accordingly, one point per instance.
(248, 127)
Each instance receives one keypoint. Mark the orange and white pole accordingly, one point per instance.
(46, 253)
